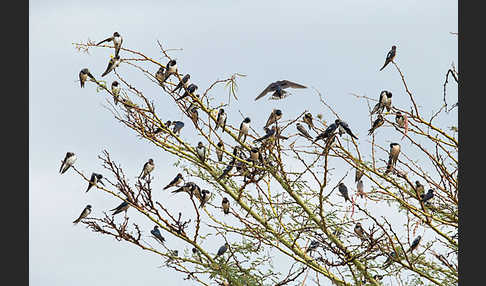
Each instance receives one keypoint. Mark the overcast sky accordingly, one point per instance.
(336, 47)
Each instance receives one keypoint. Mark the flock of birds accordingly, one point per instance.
(278, 91)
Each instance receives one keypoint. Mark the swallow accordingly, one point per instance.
(147, 168)
(156, 232)
(415, 243)
(308, 120)
(255, 155)
(117, 42)
(68, 161)
(83, 76)
(183, 83)
(122, 207)
(390, 56)
(219, 151)
(167, 124)
(378, 277)
(329, 130)
(226, 205)
(115, 90)
(112, 64)
(359, 188)
(344, 191)
(175, 182)
(312, 246)
(95, 178)
(385, 100)
(228, 168)
(84, 213)
(221, 120)
(425, 197)
(303, 132)
(360, 232)
(190, 89)
(191, 188)
(205, 195)
(244, 128)
(357, 176)
(274, 116)
(344, 127)
(419, 188)
(196, 252)
(269, 133)
(377, 123)
(222, 250)
(170, 69)
(201, 151)
(393, 156)
(400, 119)
(278, 89)
(160, 75)
(194, 115)
(177, 127)
(391, 257)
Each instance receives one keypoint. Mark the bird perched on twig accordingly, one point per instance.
(220, 150)
(385, 100)
(360, 232)
(278, 89)
(244, 128)
(68, 161)
(222, 250)
(175, 182)
(344, 127)
(390, 56)
(86, 211)
(308, 120)
(425, 197)
(201, 151)
(183, 83)
(155, 232)
(115, 90)
(148, 167)
(274, 117)
(95, 178)
(392, 157)
(221, 120)
(112, 64)
(377, 123)
(415, 243)
(117, 42)
(191, 89)
(83, 76)
(122, 207)
(303, 132)
(344, 191)
(226, 205)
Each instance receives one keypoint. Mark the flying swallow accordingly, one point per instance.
(83, 76)
(393, 156)
(415, 243)
(344, 127)
(308, 120)
(194, 115)
(344, 191)
(170, 69)
(190, 89)
(226, 205)
(419, 188)
(183, 83)
(115, 89)
(303, 132)
(147, 168)
(122, 207)
(244, 127)
(219, 151)
(274, 116)
(228, 168)
(222, 250)
(176, 181)
(156, 232)
(390, 56)
(205, 195)
(117, 42)
(359, 188)
(360, 232)
(177, 127)
(84, 213)
(95, 178)
(377, 123)
(427, 196)
(221, 120)
(385, 100)
(201, 151)
(112, 64)
(359, 173)
(67, 162)
(312, 246)
(329, 130)
(278, 89)
(400, 119)
(160, 75)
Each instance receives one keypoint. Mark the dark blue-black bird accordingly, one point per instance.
(183, 83)
(122, 207)
(429, 195)
(221, 120)
(415, 243)
(390, 56)
(385, 100)
(155, 232)
(278, 89)
(83, 76)
(175, 182)
(344, 191)
(190, 89)
(95, 178)
(269, 133)
(377, 123)
(329, 130)
(222, 250)
(344, 127)
(170, 69)
(177, 127)
(313, 246)
(68, 161)
(112, 64)
(117, 42)
(228, 168)
(391, 257)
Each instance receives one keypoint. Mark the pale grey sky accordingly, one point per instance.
(335, 46)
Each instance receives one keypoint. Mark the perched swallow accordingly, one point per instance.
(117, 42)
(205, 195)
(191, 188)
(429, 195)
(244, 128)
(415, 243)
(360, 232)
(155, 232)
(196, 252)
(344, 191)
(112, 64)
(219, 151)
(115, 90)
(176, 181)
(226, 205)
(269, 133)
(274, 116)
(170, 69)
(308, 120)
(359, 173)
(419, 188)
(95, 178)
(147, 168)
(84, 213)
(329, 130)
(83, 76)
(359, 188)
(278, 89)
(400, 119)
(194, 115)
(160, 75)
(201, 151)
(255, 155)
(221, 120)
(391, 257)
(177, 127)
(122, 207)
(385, 100)
(377, 123)
(313, 246)
(390, 56)
(183, 83)
(222, 250)
(344, 127)
(190, 89)
(67, 162)
(303, 132)
(227, 169)
(393, 156)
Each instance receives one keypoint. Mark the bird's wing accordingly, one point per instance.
(108, 68)
(288, 83)
(269, 88)
(105, 40)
